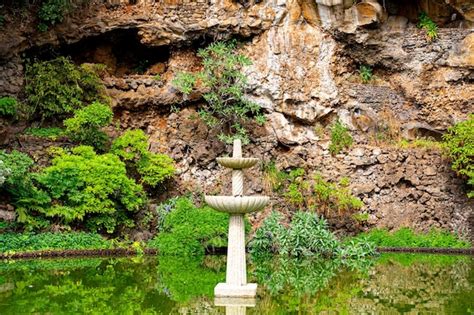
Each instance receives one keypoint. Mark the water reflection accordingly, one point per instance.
(395, 283)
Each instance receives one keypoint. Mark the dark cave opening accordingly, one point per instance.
(120, 50)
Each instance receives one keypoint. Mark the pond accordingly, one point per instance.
(392, 283)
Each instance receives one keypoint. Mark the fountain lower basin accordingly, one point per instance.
(237, 205)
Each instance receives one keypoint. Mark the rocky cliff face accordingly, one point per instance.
(305, 57)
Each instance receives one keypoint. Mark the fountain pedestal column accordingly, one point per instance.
(236, 205)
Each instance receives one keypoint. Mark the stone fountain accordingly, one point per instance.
(237, 206)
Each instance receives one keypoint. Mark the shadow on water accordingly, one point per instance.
(393, 283)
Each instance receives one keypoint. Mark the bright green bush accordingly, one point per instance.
(340, 138)
(8, 106)
(85, 126)
(426, 23)
(90, 188)
(58, 87)
(226, 106)
(132, 148)
(405, 237)
(46, 241)
(308, 235)
(459, 141)
(189, 231)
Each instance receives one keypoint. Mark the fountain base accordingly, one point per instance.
(233, 290)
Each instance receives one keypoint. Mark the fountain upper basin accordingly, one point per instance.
(237, 205)
(237, 163)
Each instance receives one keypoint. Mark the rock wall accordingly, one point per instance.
(306, 56)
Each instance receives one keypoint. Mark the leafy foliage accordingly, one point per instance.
(430, 27)
(85, 126)
(90, 188)
(316, 194)
(307, 235)
(8, 106)
(4, 172)
(224, 85)
(50, 133)
(58, 87)
(46, 241)
(340, 138)
(405, 237)
(189, 231)
(132, 148)
(52, 12)
(365, 73)
(459, 141)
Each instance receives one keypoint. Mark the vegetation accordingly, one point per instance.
(430, 27)
(132, 148)
(85, 126)
(365, 73)
(189, 231)
(459, 141)
(57, 87)
(8, 106)
(86, 187)
(14, 242)
(224, 84)
(340, 138)
(307, 235)
(420, 143)
(49, 133)
(52, 12)
(316, 194)
(405, 237)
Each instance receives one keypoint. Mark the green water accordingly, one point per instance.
(391, 284)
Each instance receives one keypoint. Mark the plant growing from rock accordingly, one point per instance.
(224, 91)
(340, 138)
(459, 142)
(430, 27)
(8, 106)
(152, 168)
(365, 73)
(56, 88)
(85, 127)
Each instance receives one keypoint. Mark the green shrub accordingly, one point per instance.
(132, 148)
(14, 242)
(405, 237)
(340, 138)
(58, 87)
(85, 126)
(430, 27)
(90, 188)
(189, 231)
(459, 142)
(307, 235)
(365, 73)
(8, 106)
(49, 133)
(52, 12)
(4, 172)
(226, 106)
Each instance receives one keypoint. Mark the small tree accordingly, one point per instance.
(224, 84)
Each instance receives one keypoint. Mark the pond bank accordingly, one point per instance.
(153, 251)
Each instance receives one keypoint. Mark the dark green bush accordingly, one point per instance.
(365, 73)
(12, 242)
(308, 235)
(85, 126)
(132, 148)
(57, 87)
(189, 231)
(405, 237)
(90, 188)
(340, 138)
(459, 141)
(8, 106)
(226, 106)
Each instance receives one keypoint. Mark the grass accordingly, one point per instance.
(420, 143)
(51, 133)
(405, 237)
